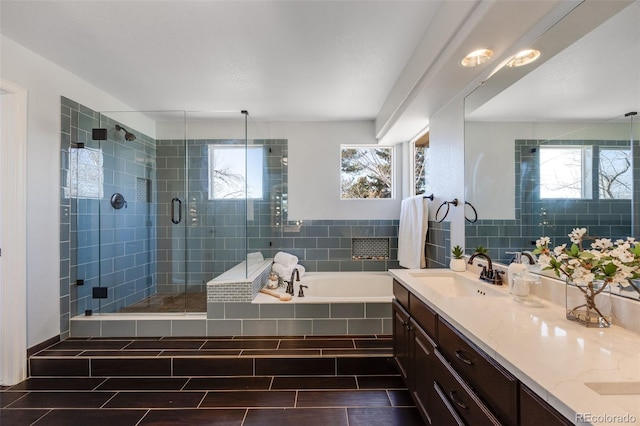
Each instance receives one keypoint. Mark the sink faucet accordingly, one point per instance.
(532, 261)
(295, 274)
(488, 274)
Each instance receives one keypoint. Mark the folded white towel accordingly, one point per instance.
(285, 272)
(286, 259)
(282, 270)
(412, 232)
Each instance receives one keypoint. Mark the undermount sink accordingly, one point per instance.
(449, 284)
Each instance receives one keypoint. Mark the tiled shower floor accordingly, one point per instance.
(341, 380)
(169, 302)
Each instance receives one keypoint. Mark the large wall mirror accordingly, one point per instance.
(553, 145)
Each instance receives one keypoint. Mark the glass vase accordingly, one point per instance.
(589, 304)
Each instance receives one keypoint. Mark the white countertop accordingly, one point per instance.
(551, 355)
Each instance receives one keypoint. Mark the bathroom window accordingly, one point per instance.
(421, 164)
(235, 172)
(565, 172)
(366, 172)
(614, 174)
(85, 178)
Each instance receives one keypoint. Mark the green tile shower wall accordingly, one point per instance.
(103, 246)
(613, 217)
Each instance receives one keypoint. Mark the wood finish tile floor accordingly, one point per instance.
(327, 381)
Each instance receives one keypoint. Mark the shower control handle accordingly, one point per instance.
(173, 210)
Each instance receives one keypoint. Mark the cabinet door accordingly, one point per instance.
(442, 412)
(401, 341)
(535, 411)
(422, 350)
(496, 386)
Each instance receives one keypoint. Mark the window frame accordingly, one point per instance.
(212, 147)
(392, 171)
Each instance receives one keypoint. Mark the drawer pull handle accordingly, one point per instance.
(452, 395)
(462, 358)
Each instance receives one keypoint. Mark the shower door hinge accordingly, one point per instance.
(99, 292)
(99, 134)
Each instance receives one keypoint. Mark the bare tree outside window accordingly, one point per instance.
(614, 177)
(228, 177)
(421, 169)
(366, 172)
(85, 178)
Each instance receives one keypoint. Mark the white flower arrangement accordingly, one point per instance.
(611, 262)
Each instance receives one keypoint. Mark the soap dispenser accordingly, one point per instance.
(516, 266)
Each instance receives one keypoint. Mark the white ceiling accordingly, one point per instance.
(390, 60)
(597, 78)
(281, 60)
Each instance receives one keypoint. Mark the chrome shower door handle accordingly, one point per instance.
(173, 210)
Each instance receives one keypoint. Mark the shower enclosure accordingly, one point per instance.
(163, 202)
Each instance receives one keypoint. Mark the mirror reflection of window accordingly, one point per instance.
(614, 174)
(234, 173)
(565, 172)
(86, 173)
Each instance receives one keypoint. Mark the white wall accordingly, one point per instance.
(314, 164)
(446, 143)
(45, 83)
(314, 171)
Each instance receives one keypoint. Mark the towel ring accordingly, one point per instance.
(446, 213)
(475, 212)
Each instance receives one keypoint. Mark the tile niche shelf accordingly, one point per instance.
(370, 248)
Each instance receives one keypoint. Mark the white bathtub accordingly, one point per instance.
(339, 287)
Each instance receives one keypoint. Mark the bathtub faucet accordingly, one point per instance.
(294, 274)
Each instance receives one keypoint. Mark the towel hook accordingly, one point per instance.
(446, 213)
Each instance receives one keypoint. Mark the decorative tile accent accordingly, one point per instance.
(370, 248)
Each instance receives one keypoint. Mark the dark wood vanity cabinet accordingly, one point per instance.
(451, 380)
(414, 346)
(492, 383)
(534, 411)
(401, 340)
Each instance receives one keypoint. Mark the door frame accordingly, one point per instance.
(13, 234)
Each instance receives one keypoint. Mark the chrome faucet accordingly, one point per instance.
(295, 274)
(487, 274)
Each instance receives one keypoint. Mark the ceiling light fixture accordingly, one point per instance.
(476, 58)
(524, 57)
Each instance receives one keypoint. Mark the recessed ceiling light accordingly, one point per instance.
(524, 57)
(477, 57)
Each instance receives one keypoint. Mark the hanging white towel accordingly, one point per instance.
(286, 259)
(412, 232)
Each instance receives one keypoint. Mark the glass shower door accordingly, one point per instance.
(120, 177)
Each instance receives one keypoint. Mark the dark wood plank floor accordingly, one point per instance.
(289, 381)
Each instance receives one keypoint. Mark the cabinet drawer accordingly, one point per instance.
(423, 315)
(495, 386)
(535, 411)
(442, 413)
(401, 294)
(460, 396)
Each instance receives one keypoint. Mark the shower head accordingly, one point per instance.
(127, 136)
